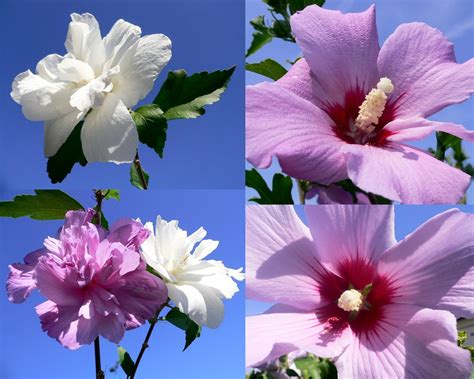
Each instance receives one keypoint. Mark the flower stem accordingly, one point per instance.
(301, 192)
(145, 341)
(141, 175)
(99, 374)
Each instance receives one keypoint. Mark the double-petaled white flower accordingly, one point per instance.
(195, 285)
(97, 81)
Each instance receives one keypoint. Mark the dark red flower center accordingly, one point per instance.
(344, 117)
(354, 274)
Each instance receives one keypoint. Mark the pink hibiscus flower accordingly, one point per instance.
(347, 109)
(96, 282)
(345, 289)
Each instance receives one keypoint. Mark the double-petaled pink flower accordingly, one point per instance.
(345, 289)
(348, 107)
(95, 281)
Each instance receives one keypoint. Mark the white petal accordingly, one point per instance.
(84, 41)
(201, 304)
(57, 131)
(194, 238)
(205, 248)
(118, 41)
(139, 68)
(47, 68)
(171, 242)
(74, 70)
(41, 99)
(109, 133)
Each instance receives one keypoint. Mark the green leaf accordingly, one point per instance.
(182, 321)
(183, 96)
(261, 36)
(125, 361)
(111, 194)
(70, 153)
(152, 126)
(282, 29)
(280, 192)
(138, 176)
(279, 6)
(298, 5)
(45, 205)
(269, 68)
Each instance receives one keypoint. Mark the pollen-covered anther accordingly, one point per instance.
(350, 300)
(373, 106)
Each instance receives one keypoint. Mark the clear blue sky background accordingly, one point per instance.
(454, 18)
(28, 353)
(407, 219)
(207, 35)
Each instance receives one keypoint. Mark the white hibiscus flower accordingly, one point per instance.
(100, 78)
(195, 285)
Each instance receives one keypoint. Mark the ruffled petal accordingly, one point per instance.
(122, 37)
(128, 232)
(139, 68)
(109, 133)
(84, 41)
(282, 124)
(410, 343)
(405, 174)
(421, 64)
(367, 232)
(341, 49)
(286, 329)
(434, 266)
(57, 131)
(414, 128)
(280, 260)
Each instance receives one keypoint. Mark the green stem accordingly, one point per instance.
(301, 192)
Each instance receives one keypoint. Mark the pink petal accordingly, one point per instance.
(415, 128)
(434, 265)
(420, 62)
(410, 343)
(58, 284)
(347, 232)
(341, 49)
(280, 264)
(130, 233)
(78, 218)
(405, 174)
(21, 281)
(333, 194)
(111, 328)
(294, 130)
(272, 335)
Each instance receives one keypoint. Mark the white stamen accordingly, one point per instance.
(350, 300)
(373, 106)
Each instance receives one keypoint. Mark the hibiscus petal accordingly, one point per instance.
(130, 233)
(298, 133)
(41, 99)
(47, 67)
(434, 266)
(341, 49)
(367, 231)
(84, 41)
(405, 174)
(111, 328)
(122, 37)
(415, 128)
(288, 329)
(421, 64)
(205, 248)
(139, 68)
(410, 343)
(57, 131)
(109, 133)
(280, 263)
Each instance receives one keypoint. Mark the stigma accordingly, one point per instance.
(373, 106)
(350, 300)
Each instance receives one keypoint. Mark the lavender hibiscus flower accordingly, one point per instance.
(96, 282)
(344, 289)
(347, 109)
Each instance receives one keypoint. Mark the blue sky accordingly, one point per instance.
(454, 18)
(206, 35)
(407, 219)
(28, 353)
